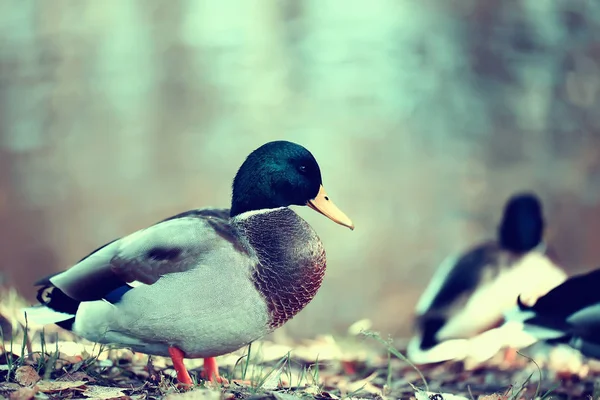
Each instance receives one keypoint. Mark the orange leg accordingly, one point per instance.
(211, 371)
(348, 367)
(510, 356)
(182, 373)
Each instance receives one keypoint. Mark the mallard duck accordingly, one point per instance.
(205, 282)
(469, 294)
(568, 314)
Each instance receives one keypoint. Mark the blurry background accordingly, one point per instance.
(424, 116)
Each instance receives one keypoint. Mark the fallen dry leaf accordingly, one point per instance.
(57, 386)
(9, 386)
(197, 394)
(347, 386)
(284, 396)
(313, 389)
(24, 393)
(68, 359)
(327, 395)
(437, 396)
(78, 376)
(26, 376)
(103, 392)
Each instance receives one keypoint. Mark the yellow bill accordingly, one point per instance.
(323, 205)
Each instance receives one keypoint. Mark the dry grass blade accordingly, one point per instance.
(395, 352)
(537, 390)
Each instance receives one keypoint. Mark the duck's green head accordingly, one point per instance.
(281, 174)
(522, 226)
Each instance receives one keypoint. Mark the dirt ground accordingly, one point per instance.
(50, 363)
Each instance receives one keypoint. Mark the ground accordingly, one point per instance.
(50, 363)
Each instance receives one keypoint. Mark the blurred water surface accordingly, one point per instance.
(424, 116)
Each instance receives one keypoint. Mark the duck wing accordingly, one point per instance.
(454, 281)
(176, 244)
(573, 295)
(569, 313)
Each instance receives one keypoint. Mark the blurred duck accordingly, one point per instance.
(469, 294)
(208, 281)
(568, 314)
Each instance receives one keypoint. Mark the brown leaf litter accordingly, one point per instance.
(326, 367)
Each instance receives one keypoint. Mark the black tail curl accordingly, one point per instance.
(523, 306)
(54, 298)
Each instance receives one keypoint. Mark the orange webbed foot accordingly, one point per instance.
(183, 376)
(211, 371)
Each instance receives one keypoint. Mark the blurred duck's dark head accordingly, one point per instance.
(522, 226)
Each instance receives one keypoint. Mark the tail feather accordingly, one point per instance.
(541, 328)
(518, 313)
(522, 306)
(56, 307)
(453, 349)
(54, 298)
(545, 332)
(43, 315)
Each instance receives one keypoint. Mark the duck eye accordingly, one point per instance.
(302, 169)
